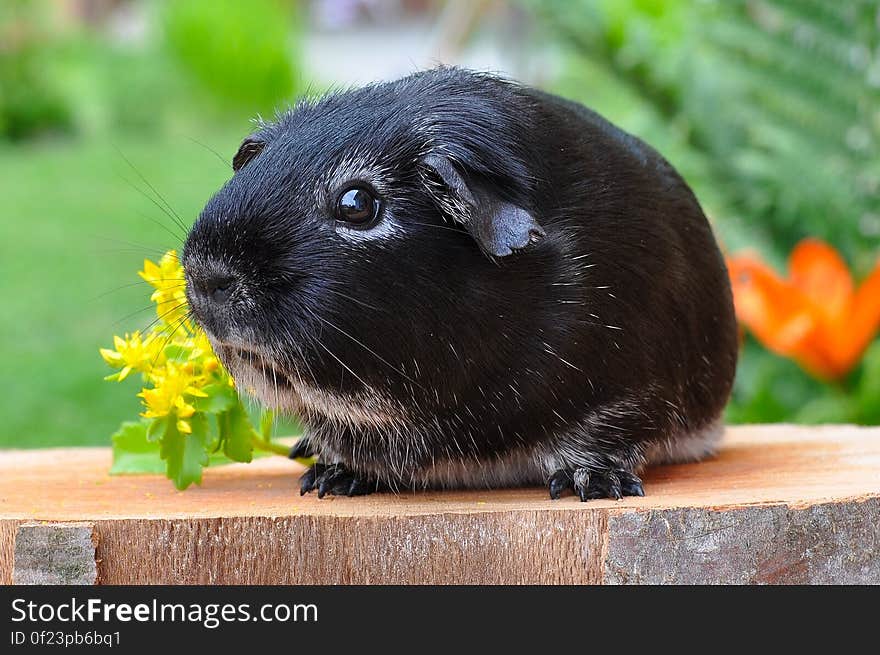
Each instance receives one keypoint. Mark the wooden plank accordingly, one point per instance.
(779, 504)
(446, 548)
(8, 528)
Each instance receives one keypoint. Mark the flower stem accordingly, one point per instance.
(268, 446)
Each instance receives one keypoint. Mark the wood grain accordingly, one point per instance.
(779, 504)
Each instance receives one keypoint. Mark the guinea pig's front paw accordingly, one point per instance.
(302, 448)
(590, 484)
(335, 479)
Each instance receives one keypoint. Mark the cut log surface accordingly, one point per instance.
(779, 504)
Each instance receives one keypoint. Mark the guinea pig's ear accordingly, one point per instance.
(498, 227)
(250, 148)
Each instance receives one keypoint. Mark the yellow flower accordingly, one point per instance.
(132, 354)
(201, 346)
(168, 280)
(173, 381)
(172, 385)
(167, 271)
(203, 354)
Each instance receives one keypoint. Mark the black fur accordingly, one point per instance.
(542, 299)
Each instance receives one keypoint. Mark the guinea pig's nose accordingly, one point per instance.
(216, 288)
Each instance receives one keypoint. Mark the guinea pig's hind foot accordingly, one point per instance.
(591, 484)
(335, 479)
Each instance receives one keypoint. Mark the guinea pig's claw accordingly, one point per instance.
(604, 484)
(630, 485)
(591, 484)
(334, 479)
(360, 487)
(558, 483)
(307, 481)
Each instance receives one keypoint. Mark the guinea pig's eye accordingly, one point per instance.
(357, 205)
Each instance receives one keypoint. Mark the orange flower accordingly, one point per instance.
(816, 316)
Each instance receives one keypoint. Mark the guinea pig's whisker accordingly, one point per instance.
(211, 150)
(134, 313)
(291, 341)
(173, 213)
(351, 298)
(168, 337)
(270, 365)
(143, 252)
(133, 244)
(164, 314)
(180, 226)
(115, 289)
(344, 365)
(125, 286)
(252, 402)
(439, 227)
(367, 348)
(276, 400)
(122, 251)
(174, 235)
(181, 231)
(302, 357)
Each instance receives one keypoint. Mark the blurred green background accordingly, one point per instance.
(770, 109)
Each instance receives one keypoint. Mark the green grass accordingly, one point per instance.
(63, 270)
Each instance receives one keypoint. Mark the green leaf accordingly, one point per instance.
(868, 392)
(156, 428)
(185, 454)
(133, 452)
(235, 433)
(830, 408)
(221, 398)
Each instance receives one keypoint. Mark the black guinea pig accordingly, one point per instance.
(458, 281)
